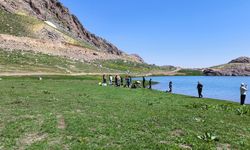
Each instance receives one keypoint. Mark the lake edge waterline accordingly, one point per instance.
(226, 88)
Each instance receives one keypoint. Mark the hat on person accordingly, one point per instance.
(242, 84)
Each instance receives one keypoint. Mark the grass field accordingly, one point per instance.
(62, 112)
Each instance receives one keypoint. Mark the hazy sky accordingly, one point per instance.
(187, 33)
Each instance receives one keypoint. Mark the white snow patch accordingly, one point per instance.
(50, 24)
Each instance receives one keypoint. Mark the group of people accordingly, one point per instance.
(119, 81)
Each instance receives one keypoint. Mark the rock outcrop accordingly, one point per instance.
(240, 60)
(236, 67)
(53, 11)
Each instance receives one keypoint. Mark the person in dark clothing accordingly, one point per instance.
(199, 88)
(143, 82)
(150, 84)
(130, 80)
(127, 82)
(116, 80)
(104, 80)
(170, 85)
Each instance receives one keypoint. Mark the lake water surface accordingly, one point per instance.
(224, 88)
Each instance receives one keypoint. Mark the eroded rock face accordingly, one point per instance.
(55, 12)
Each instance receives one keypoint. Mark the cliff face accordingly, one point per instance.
(236, 67)
(53, 11)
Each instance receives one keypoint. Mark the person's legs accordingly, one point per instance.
(242, 99)
(199, 93)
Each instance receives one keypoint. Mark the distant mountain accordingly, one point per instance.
(236, 67)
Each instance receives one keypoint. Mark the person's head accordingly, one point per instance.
(242, 84)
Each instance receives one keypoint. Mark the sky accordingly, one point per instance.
(185, 33)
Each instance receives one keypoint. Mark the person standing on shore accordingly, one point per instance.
(110, 79)
(127, 82)
(199, 88)
(104, 80)
(243, 93)
(150, 84)
(116, 80)
(170, 85)
(143, 82)
(121, 81)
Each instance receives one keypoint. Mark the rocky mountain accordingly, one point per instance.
(236, 67)
(58, 25)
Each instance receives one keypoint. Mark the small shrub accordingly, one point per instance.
(243, 110)
(208, 137)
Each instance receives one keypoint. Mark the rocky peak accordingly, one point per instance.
(55, 12)
(138, 57)
(240, 60)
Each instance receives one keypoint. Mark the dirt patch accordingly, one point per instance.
(177, 133)
(223, 147)
(60, 122)
(29, 139)
(165, 142)
(184, 146)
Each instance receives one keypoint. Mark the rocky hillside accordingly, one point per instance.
(53, 11)
(236, 67)
(43, 37)
(50, 22)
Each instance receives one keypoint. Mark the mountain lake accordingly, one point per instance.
(217, 87)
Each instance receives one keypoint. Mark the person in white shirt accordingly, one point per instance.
(110, 80)
(243, 93)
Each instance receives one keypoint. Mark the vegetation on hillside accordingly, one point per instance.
(128, 66)
(18, 25)
(76, 113)
(190, 72)
(23, 61)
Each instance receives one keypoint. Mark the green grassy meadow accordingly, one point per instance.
(27, 61)
(63, 112)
